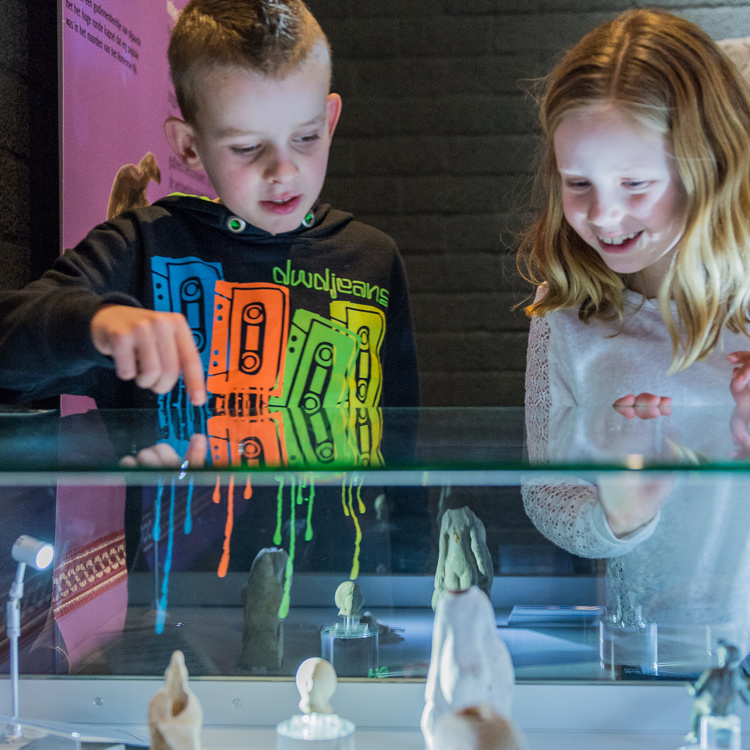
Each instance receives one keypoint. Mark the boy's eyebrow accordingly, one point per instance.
(230, 132)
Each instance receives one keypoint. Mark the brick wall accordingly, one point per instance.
(435, 147)
(28, 140)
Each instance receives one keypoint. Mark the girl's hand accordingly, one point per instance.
(632, 499)
(740, 391)
(740, 378)
(645, 405)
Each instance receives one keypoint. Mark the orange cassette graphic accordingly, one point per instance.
(248, 347)
(249, 442)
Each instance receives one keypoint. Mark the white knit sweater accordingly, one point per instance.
(688, 569)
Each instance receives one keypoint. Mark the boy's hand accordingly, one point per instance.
(152, 348)
(644, 406)
(164, 456)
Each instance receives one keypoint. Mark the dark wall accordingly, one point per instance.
(435, 147)
(29, 222)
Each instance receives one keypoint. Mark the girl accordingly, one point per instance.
(642, 251)
(642, 258)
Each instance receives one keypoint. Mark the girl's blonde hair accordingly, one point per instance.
(670, 75)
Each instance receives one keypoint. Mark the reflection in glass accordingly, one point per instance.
(237, 565)
(677, 583)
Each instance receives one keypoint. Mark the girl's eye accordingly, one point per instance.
(636, 184)
(577, 184)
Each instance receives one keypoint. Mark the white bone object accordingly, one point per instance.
(262, 628)
(477, 728)
(464, 559)
(316, 683)
(175, 716)
(469, 664)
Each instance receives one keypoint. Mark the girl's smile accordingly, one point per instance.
(621, 191)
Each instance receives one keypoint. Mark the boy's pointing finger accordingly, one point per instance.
(192, 369)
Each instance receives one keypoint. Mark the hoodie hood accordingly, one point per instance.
(326, 220)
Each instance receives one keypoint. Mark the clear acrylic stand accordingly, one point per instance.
(319, 731)
(351, 646)
(36, 734)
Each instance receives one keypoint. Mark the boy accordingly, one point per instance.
(260, 298)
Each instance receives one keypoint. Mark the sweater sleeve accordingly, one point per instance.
(565, 509)
(45, 328)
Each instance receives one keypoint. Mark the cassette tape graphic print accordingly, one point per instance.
(320, 357)
(366, 380)
(250, 442)
(248, 347)
(186, 285)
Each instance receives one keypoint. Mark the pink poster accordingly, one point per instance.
(116, 94)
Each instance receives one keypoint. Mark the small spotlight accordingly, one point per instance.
(33, 552)
(25, 551)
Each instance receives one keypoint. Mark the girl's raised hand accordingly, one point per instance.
(644, 405)
(740, 378)
(738, 386)
(632, 499)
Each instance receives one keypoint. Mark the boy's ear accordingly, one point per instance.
(181, 138)
(333, 112)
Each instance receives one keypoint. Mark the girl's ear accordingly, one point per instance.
(333, 112)
(181, 137)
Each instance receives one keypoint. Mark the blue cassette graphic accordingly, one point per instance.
(186, 286)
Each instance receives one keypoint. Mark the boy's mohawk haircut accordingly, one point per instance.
(278, 20)
(271, 37)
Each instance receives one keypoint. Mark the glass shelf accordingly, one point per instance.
(235, 557)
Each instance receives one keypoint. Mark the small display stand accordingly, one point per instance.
(33, 734)
(319, 731)
(350, 645)
(720, 733)
(633, 646)
(14, 736)
(317, 728)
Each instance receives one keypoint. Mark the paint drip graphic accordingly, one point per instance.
(297, 498)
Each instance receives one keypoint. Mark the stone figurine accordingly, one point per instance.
(130, 183)
(717, 689)
(262, 628)
(349, 599)
(464, 559)
(469, 665)
(175, 716)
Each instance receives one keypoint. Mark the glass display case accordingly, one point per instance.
(615, 552)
